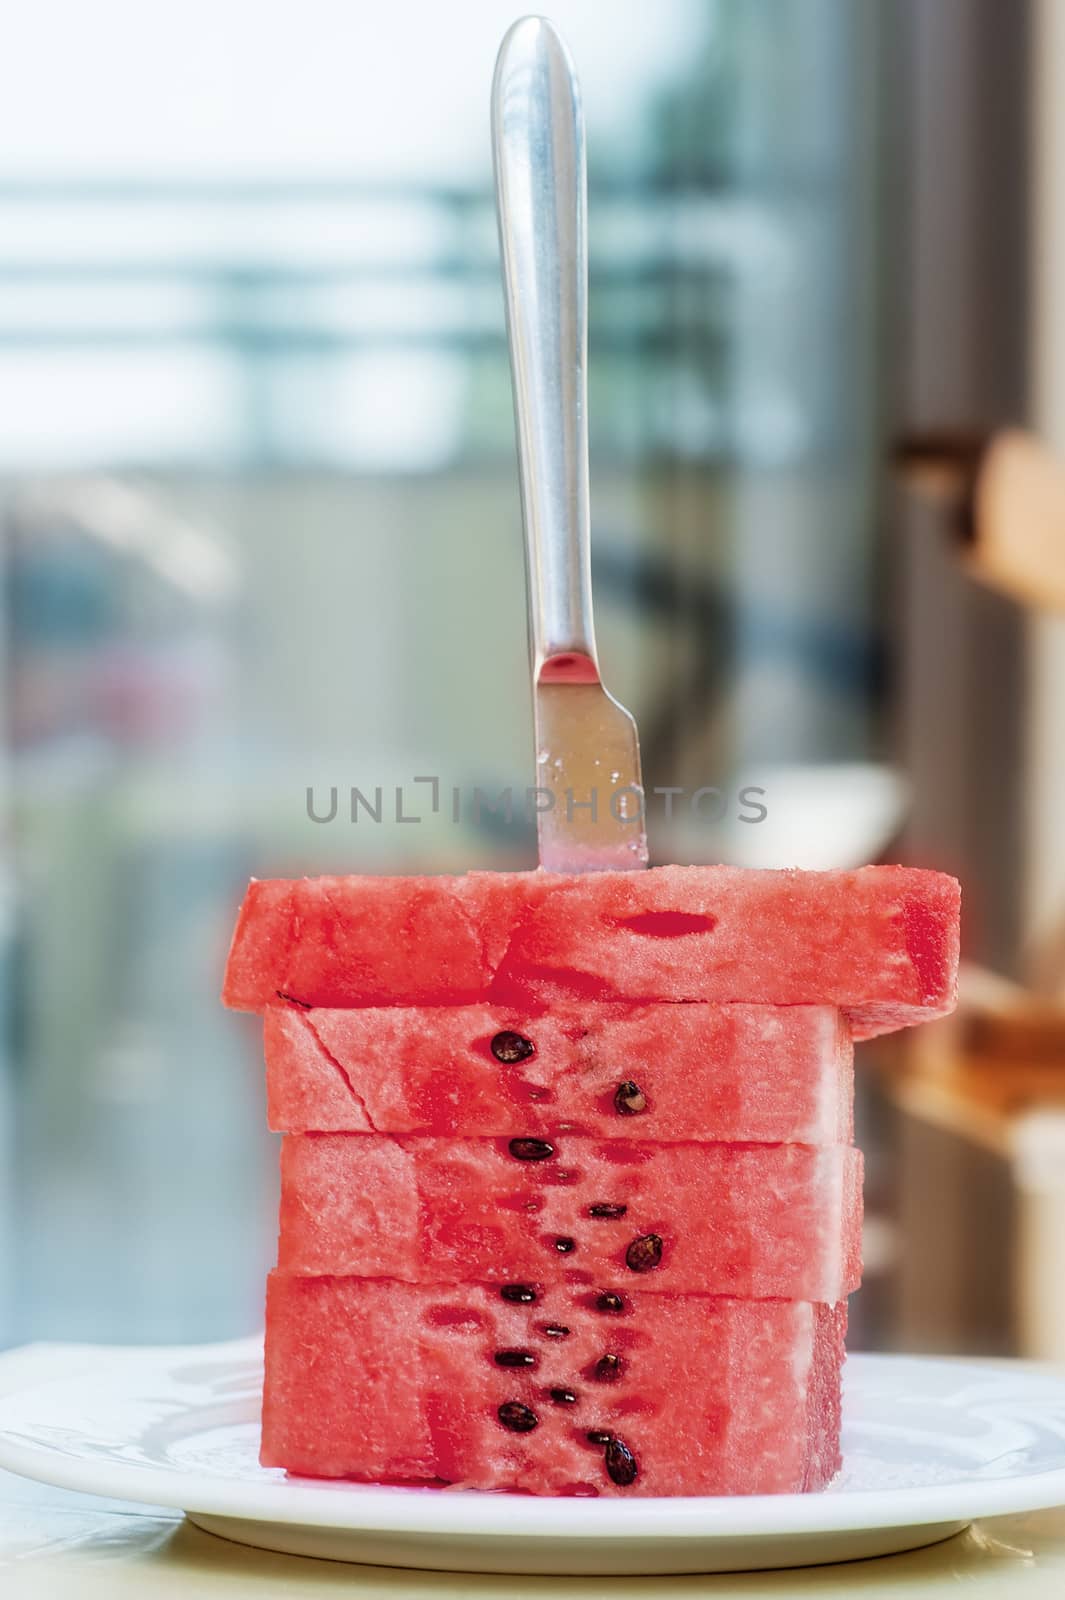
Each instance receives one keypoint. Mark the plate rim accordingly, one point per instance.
(380, 1509)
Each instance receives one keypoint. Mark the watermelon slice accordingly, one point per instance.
(700, 1072)
(880, 943)
(402, 1382)
(746, 1220)
(567, 1201)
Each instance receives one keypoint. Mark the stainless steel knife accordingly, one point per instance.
(589, 794)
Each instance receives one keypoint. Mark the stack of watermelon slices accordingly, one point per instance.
(569, 1201)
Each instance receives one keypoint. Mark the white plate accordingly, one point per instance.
(928, 1445)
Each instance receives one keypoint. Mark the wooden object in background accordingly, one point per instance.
(1018, 535)
(980, 1099)
(1006, 494)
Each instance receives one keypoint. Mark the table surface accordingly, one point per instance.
(56, 1543)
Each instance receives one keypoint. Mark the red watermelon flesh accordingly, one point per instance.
(746, 1220)
(385, 1381)
(881, 943)
(709, 1073)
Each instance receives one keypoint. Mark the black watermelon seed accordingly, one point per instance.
(629, 1099)
(507, 1046)
(621, 1463)
(608, 1369)
(555, 1330)
(644, 1253)
(531, 1149)
(608, 1210)
(514, 1358)
(565, 1247)
(564, 1397)
(518, 1418)
(304, 1005)
(597, 1436)
(520, 1294)
(610, 1302)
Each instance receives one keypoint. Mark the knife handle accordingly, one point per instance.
(541, 201)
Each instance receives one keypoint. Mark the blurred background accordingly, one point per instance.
(259, 534)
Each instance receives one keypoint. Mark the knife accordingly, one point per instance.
(588, 793)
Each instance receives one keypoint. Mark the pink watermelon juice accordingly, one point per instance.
(763, 1074)
(468, 1385)
(569, 1203)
